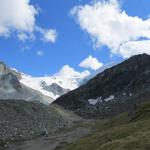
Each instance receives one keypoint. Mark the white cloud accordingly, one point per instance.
(19, 17)
(25, 36)
(69, 78)
(134, 47)
(109, 25)
(16, 15)
(48, 35)
(91, 62)
(40, 53)
(68, 71)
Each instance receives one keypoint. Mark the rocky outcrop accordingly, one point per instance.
(54, 88)
(11, 88)
(4, 69)
(115, 90)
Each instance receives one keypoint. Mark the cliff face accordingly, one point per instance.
(113, 91)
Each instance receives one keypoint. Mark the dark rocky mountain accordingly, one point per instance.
(113, 91)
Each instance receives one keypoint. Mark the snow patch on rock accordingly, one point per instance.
(93, 101)
(111, 97)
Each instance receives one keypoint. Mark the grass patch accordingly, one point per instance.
(124, 132)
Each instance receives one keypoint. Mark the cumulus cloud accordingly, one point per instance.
(68, 71)
(48, 35)
(16, 15)
(107, 24)
(91, 62)
(19, 17)
(135, 47)
(70, 77)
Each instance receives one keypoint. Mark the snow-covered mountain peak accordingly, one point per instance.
(67, 79)
(44, 89)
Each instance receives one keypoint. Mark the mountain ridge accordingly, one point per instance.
(43, 89)
(114, 88)
(12, 88)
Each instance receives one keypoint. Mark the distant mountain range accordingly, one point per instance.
(17, 85)
(113, 91)
(56, 85)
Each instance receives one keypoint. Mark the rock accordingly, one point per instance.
(54, 88)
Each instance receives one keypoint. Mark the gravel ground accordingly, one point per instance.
(52, 142)
(21, 120)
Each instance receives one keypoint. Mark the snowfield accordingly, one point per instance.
(69, 81)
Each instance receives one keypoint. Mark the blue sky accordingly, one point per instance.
(73, 43)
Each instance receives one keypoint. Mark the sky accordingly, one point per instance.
(42, 37)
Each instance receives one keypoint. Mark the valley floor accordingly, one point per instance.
(54, 141)
(128, 131)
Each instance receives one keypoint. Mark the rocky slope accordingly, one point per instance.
(20, 120)
(128, 131)
(113, 91)
(54, 88)
(12, 88)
